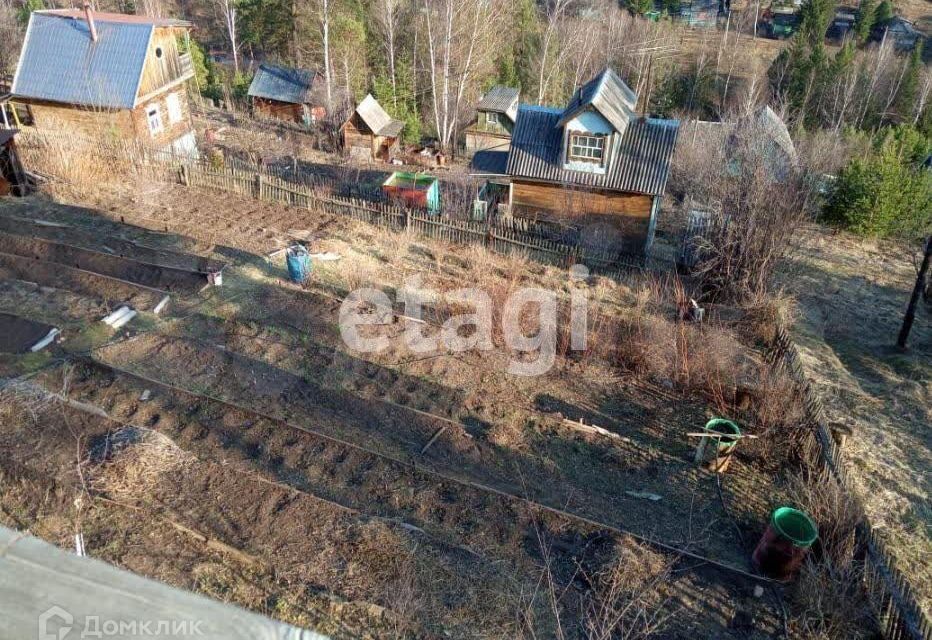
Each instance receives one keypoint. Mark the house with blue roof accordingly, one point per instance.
(594, 167)
(288, 93)
(99, 74)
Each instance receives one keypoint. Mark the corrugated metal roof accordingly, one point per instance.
(607, 94)
(60, 62)
(639, 162)
(377, 119)
(500, 99)
(284, 84)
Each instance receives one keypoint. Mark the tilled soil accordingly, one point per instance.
(472, 524)
(113, 245)
(587, 477)
(18, 334)
(83, 282)
(313, 477)
(165, 278)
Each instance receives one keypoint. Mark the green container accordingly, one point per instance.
(795, 526)
(721, 425)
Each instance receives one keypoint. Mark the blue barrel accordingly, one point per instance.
(299, 263)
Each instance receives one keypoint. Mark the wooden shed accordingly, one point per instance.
(286, 93)
(414, 189)
(370, 133)
(495, 120)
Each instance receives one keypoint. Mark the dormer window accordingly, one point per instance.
(587, 148)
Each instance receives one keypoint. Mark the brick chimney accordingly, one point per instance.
(90, 21)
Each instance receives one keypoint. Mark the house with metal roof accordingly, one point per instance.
(287, 93)
(496, 113)
(595, 166)
(370, 133)
(96, 74)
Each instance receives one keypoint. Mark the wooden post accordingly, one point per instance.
(914, 299)
(185, 178)
(258, 185)
(407, 219)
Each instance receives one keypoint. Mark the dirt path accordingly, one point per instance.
(852, 296)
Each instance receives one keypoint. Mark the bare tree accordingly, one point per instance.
(386, 14)
(461, 35)
(754, 209)
(550, 61)
(226, 11)
(325, 36)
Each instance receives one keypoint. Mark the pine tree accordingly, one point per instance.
(867, 15)
(884, 13)
(905, 104)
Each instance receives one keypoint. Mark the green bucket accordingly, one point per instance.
(721, 425)
(795, 526)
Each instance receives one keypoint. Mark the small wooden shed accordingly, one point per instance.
(495, 120)
(414, 189)
(289, 94)
(370, 133)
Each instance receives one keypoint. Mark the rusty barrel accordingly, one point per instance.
(785, 543)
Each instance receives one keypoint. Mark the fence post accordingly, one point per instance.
(185, 179)
(258, 185)
(407, 219)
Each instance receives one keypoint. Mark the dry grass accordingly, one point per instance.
(828, 600)
(133, 460)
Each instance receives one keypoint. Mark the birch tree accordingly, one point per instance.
(325, 38)
(386, 14)
(551, 55)
(460, 39)
(226, 11)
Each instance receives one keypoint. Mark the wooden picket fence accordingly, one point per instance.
(501, 237)
(894, 603)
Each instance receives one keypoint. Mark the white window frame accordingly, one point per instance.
(173, 107)
(587, 148)
(154, 119)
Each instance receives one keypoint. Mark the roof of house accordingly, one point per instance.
(639, 162)
(607, 94)
(284, 84)
(126, 18)
(59, 61)
(378, 121)
(500, 99)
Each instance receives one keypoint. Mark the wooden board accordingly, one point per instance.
(619, 219)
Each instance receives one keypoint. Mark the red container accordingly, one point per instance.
(785, 543)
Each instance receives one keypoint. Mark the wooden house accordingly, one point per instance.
(296, 95)
(594, 167)
(370, 133)
(107, 74)
(495, 121)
